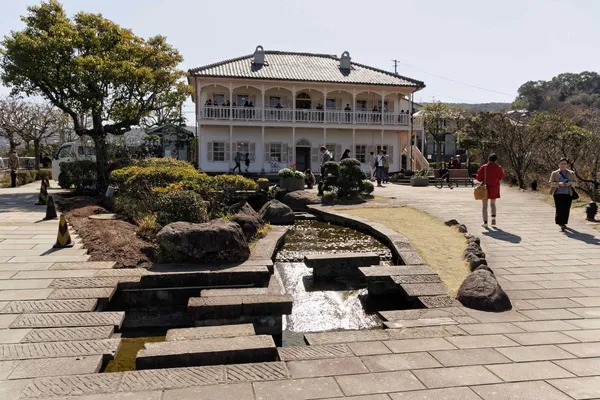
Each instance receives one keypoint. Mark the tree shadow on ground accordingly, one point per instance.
(499, 234)
(584, 237)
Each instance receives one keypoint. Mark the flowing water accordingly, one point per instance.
(329, 305)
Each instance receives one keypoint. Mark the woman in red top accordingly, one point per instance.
(490, 174)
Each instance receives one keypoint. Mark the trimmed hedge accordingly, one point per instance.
(77, 174)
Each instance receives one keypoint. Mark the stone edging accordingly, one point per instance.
(266, 247)
(403, 253)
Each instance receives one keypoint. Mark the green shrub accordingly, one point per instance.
(77, 174)
(162, 162)
(228, 185)
(138, 181)
(26, 176)
(346, 180)
(176, 204)
(423, 173)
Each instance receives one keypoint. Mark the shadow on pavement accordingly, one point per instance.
(499, 234)
(584, 237)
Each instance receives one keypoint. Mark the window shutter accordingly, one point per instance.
(284, 152)
(314, 155)
(227, 151)
(290, 153)
(267, 152)
(338, 152)
(209, 149)
(252, 151)
(390, 153)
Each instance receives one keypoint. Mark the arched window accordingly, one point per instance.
(303, 101)
(303, 143)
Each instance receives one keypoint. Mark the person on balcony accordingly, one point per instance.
(346, 154)
(348, 116)
(320, 108)
(375, 115)
(372, 161)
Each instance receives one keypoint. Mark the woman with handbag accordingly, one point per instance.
(562, 182)
(490, 175)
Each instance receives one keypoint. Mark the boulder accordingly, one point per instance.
(211, 241)
(475, 261)
(462, 228)
(250, 224)
(277, 213)
(243, 208)
(472, 238)
(299, 199)
(484, 267)
(474, 248)
(451, 222)
(481, 291)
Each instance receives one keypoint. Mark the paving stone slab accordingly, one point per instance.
(292, 353)
(546, 326)
(530, 371)
(535, 353)
(491, 328)
(64, 283)
(201, 352)
(583, 349)
(368, 348)
(107, 347)
(159, 379)
(13, 335)
(481, 341)
(68, 334)
(60, 320)
(455, 358)
(581, 367)
(85, 293)
(326, 367)
(55, 274)
(345, 337)
(443, 301)
(533, 338)
(203, 308)
(234, 292)
(297, 389)
(239, 391)
(458, 393)
(456, 376)
(406, 279)
(256, 372)
(579, 388)
(386, 271)
(425, 332)
(78, 385)
(61, 366)
(413, 345)
(395, 315)
(121, 272)
(85, 265)
(398, 362)
(49, 306)
(519, 391)
(381, 382)
(206, 332)
(592, 335)
(411, 323)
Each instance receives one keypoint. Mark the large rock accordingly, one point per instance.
(243, 208)
(250, 224)
(481, 291)
(277, 213)
(211, 241)
(299, 199)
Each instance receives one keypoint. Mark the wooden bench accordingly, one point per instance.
(460, 175)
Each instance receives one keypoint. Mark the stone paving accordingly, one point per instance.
(548, 347)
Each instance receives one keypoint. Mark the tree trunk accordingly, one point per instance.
(438, 158)
(101, 160)
(13, 145)
(36, 150)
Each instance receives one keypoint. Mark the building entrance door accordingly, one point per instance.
(302, 158)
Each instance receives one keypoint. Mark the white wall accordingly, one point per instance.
(342, 138)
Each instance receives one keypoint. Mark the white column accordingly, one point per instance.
(325, 105)
(354, 142)
(198, 144)
(324, 136)
(231, 145)
(409, 164)
(382, 139)
(262, 114)
(293, 144)
(231, 101)
(262, 146)
(294, 103)
(353, 107)
(382, 106)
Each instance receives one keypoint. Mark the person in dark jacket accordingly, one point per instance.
(247, 161)
(346, 154)
(562, 182)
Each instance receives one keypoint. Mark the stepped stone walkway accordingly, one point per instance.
(53, 340)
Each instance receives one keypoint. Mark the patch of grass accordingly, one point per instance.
(125, 357)
(440, 246)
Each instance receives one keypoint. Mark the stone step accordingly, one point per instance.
(177, 275)
(339, 264)
(203, 308)
(421, 313)
(323, 338)
(62, 366)
(101, 282)
(49, 306)
(63, 320)
(302, 216)
(209, 332)
(189, 353)
(26, 351)
(85, 265)
(68, 334)
(412, 323)
(442, 301)
(274, 287)
(298, 353)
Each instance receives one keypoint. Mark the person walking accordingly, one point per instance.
(247, 161)
(13, 164)
(346, 154)
(490, 175)
(562, 182)
(238, 162)
(372, 162)
(444, 175)
(325, 157)
(386, 168)
(379, 173)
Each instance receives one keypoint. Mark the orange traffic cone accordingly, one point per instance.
(63, 239)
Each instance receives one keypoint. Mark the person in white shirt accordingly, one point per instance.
(372, 160)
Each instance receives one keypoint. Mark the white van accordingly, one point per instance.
(72, 151)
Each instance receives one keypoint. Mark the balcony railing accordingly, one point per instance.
(300, 115)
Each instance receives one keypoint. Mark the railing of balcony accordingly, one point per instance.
(312, 116)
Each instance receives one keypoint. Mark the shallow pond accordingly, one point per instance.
(125, 358)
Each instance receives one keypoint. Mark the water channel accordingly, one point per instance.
(324, 306)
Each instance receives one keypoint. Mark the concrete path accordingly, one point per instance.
(547, 348)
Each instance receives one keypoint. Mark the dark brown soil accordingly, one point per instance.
(106, 240)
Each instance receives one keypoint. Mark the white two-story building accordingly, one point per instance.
(281, 107)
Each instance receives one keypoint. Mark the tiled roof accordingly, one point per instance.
(308, 67)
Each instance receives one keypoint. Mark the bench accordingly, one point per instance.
(460, 175)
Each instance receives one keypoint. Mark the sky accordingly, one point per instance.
(458, 48)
